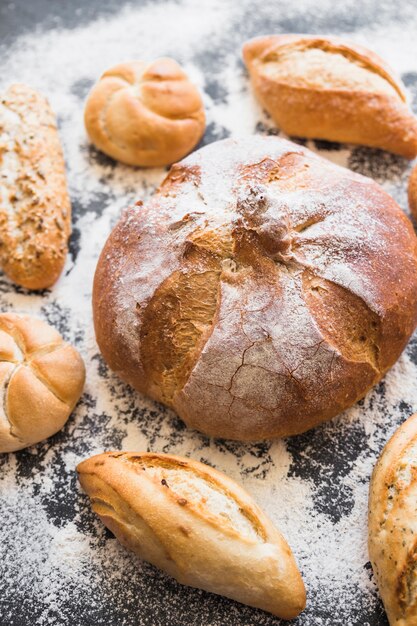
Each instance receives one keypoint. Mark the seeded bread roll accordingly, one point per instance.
(328, 88)
(393, 525)
(262, 290)
(195, 524)
(35, 211)
(41, 380)
(412, 192)
(148, 115)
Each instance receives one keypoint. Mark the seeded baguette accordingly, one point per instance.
(35, 210)
(412, 192)
(195, 524)
(327, 88)
(393, 525)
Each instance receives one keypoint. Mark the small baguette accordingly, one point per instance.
(393, 525)
(195, 524)
(327, 88)
(35, 210)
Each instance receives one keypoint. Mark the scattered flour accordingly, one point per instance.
(58, 565)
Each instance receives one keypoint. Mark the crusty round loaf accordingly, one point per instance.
(197, 525)
(328, 88)
(148, 115)
(41, 380)
(35, 209)
(393, 525)
(261, 291)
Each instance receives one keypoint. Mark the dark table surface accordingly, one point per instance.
(58, 565)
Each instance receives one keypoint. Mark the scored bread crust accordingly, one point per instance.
(41, 380)
(261, 291)
(35, 210)
(145, 114)
(392, 525)
(197, 525)
(372, 112)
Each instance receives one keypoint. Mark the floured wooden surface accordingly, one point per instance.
(58, 564)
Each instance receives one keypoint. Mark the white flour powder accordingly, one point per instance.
(54, 553)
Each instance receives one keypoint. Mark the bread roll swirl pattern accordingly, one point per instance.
(327, 88)
(35, 211)
(145, 114)
(393, 526)
(41, 380)
(195, 524)
(281, 289)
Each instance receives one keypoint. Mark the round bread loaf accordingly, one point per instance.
(261, 291)
(148, 115)
(41, 380)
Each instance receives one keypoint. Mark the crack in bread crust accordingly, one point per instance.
(267, 305)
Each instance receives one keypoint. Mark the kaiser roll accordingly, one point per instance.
(261, 291)
(41, 380)
(147, 115)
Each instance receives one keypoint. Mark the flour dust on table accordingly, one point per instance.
(59, 565)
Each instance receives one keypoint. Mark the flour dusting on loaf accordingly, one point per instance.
(304, 324)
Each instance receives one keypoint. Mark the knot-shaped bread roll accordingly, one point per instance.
(35, 211)
(195, 524)
(393, 525)
(260, 291)
(41, 380)
(148, 115)
(326, 88)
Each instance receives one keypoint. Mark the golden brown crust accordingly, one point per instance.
(197, 525)
(35, 211)
(41, 380)
(327, 88)
(146, 115)
(412, 192)
(268, 304)
(393, 525)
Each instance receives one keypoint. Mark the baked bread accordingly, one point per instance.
(262, 290)
(195, 524)
(148, 115)
(41, 380)
(412, 192)
(328, 88)
(35, 211)
(393, 525)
